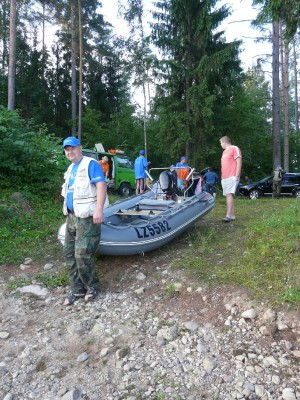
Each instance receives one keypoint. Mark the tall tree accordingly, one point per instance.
(296, 108)
(276, 96)
(197, 69)
(80, 70)
(4, 15)
(287, 11)
(73, 65)
(12, 56)
(285, 95)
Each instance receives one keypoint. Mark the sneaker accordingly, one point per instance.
(227, 219)
(91, 294)
(72, 297)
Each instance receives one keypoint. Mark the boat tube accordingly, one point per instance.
(148, 221)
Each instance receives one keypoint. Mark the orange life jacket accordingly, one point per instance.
(182, 173)
(105, 167)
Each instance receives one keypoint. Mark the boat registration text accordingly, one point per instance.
(152, 229)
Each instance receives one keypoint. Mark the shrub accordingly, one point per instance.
(28, 154)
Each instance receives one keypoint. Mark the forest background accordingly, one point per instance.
(194, 89)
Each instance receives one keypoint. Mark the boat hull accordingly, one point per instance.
(129, 229)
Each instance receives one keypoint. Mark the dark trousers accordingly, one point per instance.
(276, 189)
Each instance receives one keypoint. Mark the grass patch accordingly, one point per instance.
(260, 251)
(29, 234)
(50, 281)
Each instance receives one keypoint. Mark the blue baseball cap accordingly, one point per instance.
(71, 141)
(183, 158)
(142, 151)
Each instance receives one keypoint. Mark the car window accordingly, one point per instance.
(291, 178)
(267, 180)
(90, 154)
(125, 162)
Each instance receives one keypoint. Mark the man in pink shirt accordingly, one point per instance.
(231, 167)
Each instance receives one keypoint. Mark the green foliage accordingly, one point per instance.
(247, 120)
(17, 282)
(292, 295)
(122, 130)
(93, 130)
(171, 290)
(286, 10)
(29, 234)
(30, 155)
(50, 281)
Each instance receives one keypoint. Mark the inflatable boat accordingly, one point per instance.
(148, 221)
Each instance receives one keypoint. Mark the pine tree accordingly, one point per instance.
(197, 71)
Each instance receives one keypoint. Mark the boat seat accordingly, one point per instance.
(131, 212)
(149, 204)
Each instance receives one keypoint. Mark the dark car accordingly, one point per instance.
(290, 186)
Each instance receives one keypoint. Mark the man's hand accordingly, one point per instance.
(98, 217)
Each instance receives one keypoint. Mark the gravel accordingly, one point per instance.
(140, 340)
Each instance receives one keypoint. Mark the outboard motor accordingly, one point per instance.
(168, 184)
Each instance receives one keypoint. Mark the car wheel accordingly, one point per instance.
(297, 194)
(125, 189)
(254, 194)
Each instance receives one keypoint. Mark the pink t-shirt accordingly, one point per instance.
(228, 161)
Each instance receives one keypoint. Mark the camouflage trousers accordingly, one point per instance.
(276, 189)
(81, 241)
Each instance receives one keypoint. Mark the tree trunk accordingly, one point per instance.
(12, 56)
(285, 83)
(187, 122)
(281, 68)
(296, 88)
(145, 116)
(80, 70)
(43, 28)
(4, 36)
(275, 96)
(73, 68)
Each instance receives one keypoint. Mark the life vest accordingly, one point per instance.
(277, 175)
(85, 193)
(105, 167)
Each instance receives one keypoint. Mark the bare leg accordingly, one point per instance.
(230, 205)
(142, 186)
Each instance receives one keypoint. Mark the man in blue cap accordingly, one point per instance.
(277, 181)
(140, 165)
(84, 192)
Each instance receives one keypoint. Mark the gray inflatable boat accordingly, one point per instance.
(146, 222)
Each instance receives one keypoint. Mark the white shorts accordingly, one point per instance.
(230, 185)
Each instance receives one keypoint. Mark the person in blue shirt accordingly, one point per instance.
(183, 171)
(84, 192)
(140, 166)
(210, 179)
